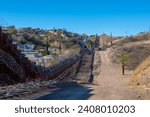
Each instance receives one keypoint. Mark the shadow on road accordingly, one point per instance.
(68, 91)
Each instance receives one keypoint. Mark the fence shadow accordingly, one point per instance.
(68, 91)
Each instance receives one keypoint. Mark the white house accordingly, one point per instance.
(28, 47)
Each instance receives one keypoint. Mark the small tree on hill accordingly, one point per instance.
(123, 59)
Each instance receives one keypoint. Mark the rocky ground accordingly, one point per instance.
(24, 90)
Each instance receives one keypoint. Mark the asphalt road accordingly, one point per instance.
(68, 91)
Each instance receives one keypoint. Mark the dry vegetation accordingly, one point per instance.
(137, 53)
(143, 36)
(141, 79)
(138, 48)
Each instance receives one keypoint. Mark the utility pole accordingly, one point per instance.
(111, 34)
(126, 33)
(111, 38)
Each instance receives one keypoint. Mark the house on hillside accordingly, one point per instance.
(27, 47)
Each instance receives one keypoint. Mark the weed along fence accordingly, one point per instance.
(15, 67)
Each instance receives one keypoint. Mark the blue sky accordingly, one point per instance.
(81, 16)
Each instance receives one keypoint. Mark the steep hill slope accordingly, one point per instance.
(137, 47)
(141, 79)
(137, 52)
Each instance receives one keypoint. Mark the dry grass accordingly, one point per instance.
(145, 36)
(138, 47)
(138, 52)
(124, 41)
(141, 79)
(141, 75)
(143, 66)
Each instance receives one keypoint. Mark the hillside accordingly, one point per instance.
(145, 36)
(136, 47)
(141, 79)
(137, 52)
